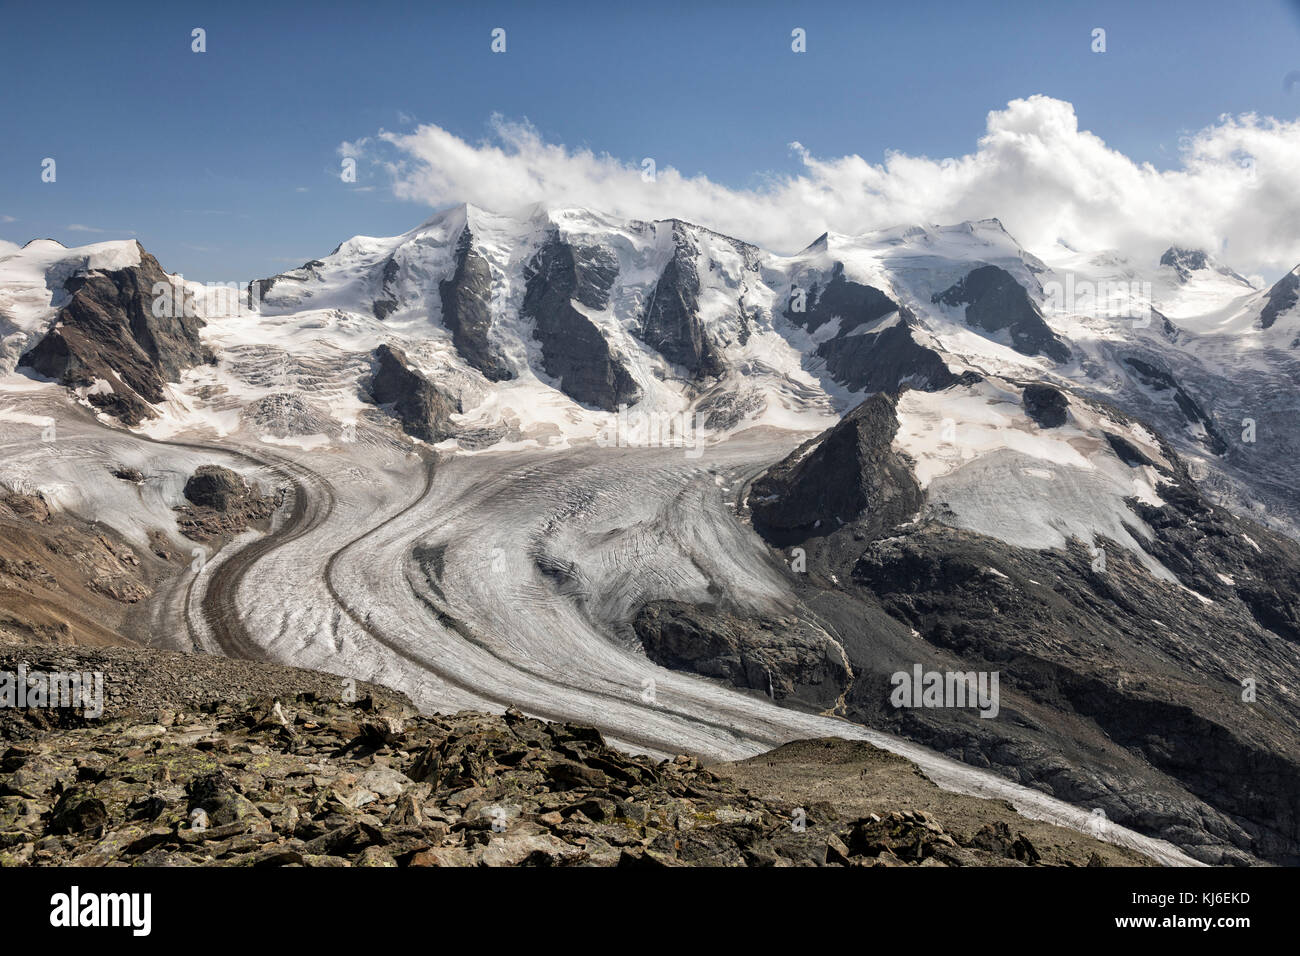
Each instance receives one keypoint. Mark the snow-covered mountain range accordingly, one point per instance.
(627, 428)
(536, 327)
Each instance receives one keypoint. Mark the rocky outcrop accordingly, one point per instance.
(193, 772)
(1187, 262)
(574, 350)
(671, 322)
(1100, 669)
(852, 303)
(846, 474)
(888, 360)
(222, 504)
(1045, 405)
(996, 302)
(423, 409)
(1282, 297)
(1162, 383)
(388, 302)
(885, 356)
(467, 311)
(1150, 700)
(121, 339)
(786, 659)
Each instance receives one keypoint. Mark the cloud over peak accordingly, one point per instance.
(1235, 192)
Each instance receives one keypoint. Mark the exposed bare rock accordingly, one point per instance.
(573, 348)
(422, 408)
(66, 579)
(184, 769)
(848, 471)
(222, 504)
(1045, 405)
(787, 659)
(467, 310)
(671, 323)
(1281, 298)
(996, 302)
(110, 339)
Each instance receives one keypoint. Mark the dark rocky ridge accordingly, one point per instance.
(847, 473)
(388, 303)
(467, 310)
(1184, 260)
(423, 409)
(671, 323)
(1159, 380)
(573, 349)
(1281, 297)
(888, 360)
(1045, 405)
(787, 659)
(853, 303)
(996, 302)
(883, 360)
(108, 330)
(1187, 261)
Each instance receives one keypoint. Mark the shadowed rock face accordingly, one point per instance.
(996, 302)
(1100, 705)
(1158, 380)
(467, 311)
(1283, 296)
(871, 361)
(671, 324)
(212, 486)
(1045, 405)
(108, 332)
(573, 348)
(1184, 260)
(888, 361)
(787, 659)
(853, 303)
(846, 473)
(1187, 261)
(423, 410)
(387, 304)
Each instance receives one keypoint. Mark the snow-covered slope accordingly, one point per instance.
(31, 286)
(538, 325)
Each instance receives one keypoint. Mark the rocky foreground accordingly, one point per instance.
(182, 770)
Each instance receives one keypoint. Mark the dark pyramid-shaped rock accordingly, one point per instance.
(573, 349)
(133, 328)
(996, 302)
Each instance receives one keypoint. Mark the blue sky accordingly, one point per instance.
(225, 164)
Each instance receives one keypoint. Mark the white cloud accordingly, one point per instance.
(78, 227)
(7, 219)
(1238, 183)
